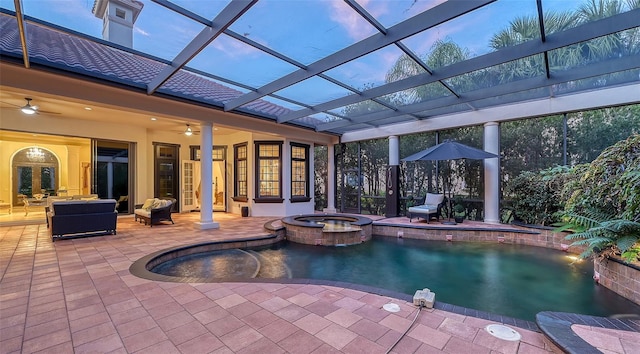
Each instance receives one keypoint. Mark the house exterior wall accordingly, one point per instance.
(71, 157)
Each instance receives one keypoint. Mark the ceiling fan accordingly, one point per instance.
(30, 109)
(189, 131)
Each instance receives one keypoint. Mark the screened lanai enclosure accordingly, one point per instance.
(347, 66)
(561, 78)
(528, 145)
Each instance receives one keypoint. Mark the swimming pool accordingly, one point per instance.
(512, 280)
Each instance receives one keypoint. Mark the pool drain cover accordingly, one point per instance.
(503, 332)
(391, 307)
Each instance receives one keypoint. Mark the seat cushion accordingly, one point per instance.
(433, 199)
(143, 212)
(423, 209)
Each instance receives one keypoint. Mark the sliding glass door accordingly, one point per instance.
(113, 163)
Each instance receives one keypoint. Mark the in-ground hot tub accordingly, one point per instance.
(328, 229)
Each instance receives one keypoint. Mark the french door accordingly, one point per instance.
(189, 197)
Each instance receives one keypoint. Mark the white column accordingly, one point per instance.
(394, 151)
(206, 206)
(492, 174)
(331, 178)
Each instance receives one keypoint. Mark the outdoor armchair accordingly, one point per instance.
(432, 206)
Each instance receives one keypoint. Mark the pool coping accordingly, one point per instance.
(457, 228)
(557, 327)
(139, 268)
(359, 220)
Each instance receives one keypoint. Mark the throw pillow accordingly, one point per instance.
(158, 203)
(147, 204)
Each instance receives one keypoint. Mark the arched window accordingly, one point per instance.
(35, 171)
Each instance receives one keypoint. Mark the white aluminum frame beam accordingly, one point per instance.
(557, 40)
(223, 20)
(594, 99)
(22, 29)
(430, 18)
(602, 68)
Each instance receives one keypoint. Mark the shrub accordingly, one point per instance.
(611, 183)
(604, 208)
(537, 197)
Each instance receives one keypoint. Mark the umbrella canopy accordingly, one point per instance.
(450, 150)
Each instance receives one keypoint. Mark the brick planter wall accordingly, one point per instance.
(621, 278)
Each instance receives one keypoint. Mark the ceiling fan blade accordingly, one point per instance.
(47, 112)
(10, 104)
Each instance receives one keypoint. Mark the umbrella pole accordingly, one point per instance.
(448, 221)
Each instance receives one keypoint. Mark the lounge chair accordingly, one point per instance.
(432, 207)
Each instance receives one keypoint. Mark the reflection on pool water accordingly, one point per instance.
(512, 280)
(337, 226)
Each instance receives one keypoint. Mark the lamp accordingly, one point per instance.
(188, 132)
(28, 108)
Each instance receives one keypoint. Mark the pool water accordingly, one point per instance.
(512, 280)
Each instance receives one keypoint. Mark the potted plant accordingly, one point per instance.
(458, 213)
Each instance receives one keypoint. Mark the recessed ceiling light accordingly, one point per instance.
(154, 118)
(88, 108)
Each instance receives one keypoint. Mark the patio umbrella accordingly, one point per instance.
(449, 150)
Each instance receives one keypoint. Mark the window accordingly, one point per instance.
(120, 13)
(240, 175)
(269, 172)
(218, 152)
(299, 173)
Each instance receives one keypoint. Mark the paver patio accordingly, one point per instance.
(77, 295)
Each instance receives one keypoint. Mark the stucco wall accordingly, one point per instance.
(71, 157)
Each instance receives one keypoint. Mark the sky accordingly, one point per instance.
(300, 29)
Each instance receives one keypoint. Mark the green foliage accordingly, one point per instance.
(536, 197)
(321, 177)
(604, 235)
(611, 183)
(604, 209)
(458, 209)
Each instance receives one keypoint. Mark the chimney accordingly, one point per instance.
(118, 17)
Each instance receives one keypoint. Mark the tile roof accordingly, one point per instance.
(53, 47)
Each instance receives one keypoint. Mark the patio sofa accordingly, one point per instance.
(154, 211)
(76, 218)
(431, 207)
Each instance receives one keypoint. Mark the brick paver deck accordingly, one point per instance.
(77, 295)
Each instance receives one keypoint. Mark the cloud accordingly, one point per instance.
(421, 6)
(233, 48)
(356, 27)
(74, 8)
(141, 31)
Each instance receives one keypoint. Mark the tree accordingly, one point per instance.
(321, 176)
(590, 132)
